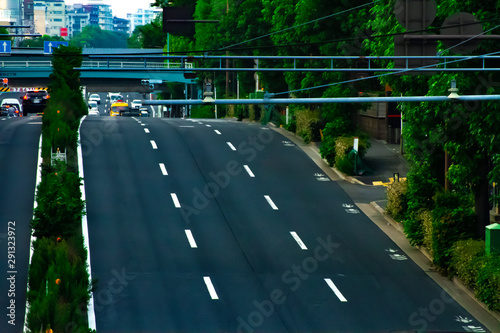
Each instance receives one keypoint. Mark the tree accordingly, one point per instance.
(94, 36)
(4, 31)
(149, 36)
(39, 41)
(465, 131)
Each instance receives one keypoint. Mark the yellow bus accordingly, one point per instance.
(118, 108)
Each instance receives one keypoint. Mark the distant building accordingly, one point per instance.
(56, 16)
(121, 25)
(29, 16)
(76, 18)
(105, 17)
(142, 17)
(40, 17)
(10, 12)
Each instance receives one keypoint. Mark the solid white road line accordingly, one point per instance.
(153, 143)
(210, 287)
(163, 169)
(216, 131)
(271, 203)
(335, 290)
(177, 204)
(85, 228)
(231, 146)
(298, 240)
(190, 238)
(250, 173)
(146, 130)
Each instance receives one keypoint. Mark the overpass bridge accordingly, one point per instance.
(31, 67)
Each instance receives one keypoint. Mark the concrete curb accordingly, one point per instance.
(298, 141)
(399, 226)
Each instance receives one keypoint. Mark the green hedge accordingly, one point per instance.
(396, 199)
(344, 159)
(307, 124)
(467, 257)
(57, 289)
(60, 207)
(203, 111)
(477, 270)
(453, 219)
(488, 282)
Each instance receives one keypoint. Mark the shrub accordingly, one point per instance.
(488, 282)
(421, 189)
(425, 216)
(202, 111)
(304, 120)
(60, 207)
(396, 199)
(453, 220)
(58, 282)
(467, 256)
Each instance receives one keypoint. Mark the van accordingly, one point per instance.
(115, 97)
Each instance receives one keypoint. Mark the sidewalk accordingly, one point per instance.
(384, 160)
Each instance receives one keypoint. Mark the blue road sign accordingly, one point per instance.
(49, 46)
(5, 46)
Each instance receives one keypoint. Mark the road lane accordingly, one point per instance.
(19, 139)
(318, 208)
(135, 228)
(263, 278)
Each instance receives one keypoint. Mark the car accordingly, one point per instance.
(95, 97)
(94, 113)
(115, 97)
(10, 107)
(34, 101)
(93, 106)
(144, 112)
(136, 104)
(10, 110)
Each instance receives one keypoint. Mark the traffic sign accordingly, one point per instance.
(5, 46)
(49, 46)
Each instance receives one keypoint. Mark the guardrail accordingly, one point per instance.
(98, 64)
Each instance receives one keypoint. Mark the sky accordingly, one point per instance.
(120, 8)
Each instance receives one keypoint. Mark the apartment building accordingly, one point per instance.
(142, 17)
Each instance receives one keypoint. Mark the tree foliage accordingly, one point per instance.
(94, 36)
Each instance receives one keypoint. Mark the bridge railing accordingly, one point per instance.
(97, 64)
(29, 63)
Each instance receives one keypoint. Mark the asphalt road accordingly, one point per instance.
(223, 226)
(19, 139)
